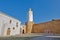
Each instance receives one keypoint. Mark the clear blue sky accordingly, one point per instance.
(43, 10)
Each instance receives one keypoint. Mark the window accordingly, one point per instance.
(17, 24)
(10, 21)
(13, 28)
(9, 28)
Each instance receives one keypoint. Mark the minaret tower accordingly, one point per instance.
(29, 22)
(30, 15)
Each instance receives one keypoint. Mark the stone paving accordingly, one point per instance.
(29, 37)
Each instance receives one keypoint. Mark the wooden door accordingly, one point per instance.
(8, 31)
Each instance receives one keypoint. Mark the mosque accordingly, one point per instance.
(11, 26)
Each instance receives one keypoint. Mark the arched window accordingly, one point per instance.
(17, 24)
(10, 21)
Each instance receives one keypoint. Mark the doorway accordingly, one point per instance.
(23, 31)
(8, 31)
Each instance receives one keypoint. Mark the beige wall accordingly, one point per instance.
(47, 27)
(29, 26)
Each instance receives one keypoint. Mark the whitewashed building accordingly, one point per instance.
(9, 25)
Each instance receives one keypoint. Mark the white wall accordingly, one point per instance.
(5, 24)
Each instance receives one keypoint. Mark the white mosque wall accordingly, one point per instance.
(5, 24)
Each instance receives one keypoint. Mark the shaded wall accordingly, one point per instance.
(47, 27)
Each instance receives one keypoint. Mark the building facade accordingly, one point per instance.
(9, 25)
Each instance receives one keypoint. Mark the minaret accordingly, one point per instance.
(30, 15)
(29, 23)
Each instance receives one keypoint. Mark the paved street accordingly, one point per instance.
(31, 37)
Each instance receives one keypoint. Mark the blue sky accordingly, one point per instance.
(43, 10)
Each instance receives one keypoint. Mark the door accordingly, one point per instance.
(8, 31)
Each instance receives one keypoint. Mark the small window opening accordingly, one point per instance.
(17, 24)
(10, 21)
(9, 28)
(13, 28)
